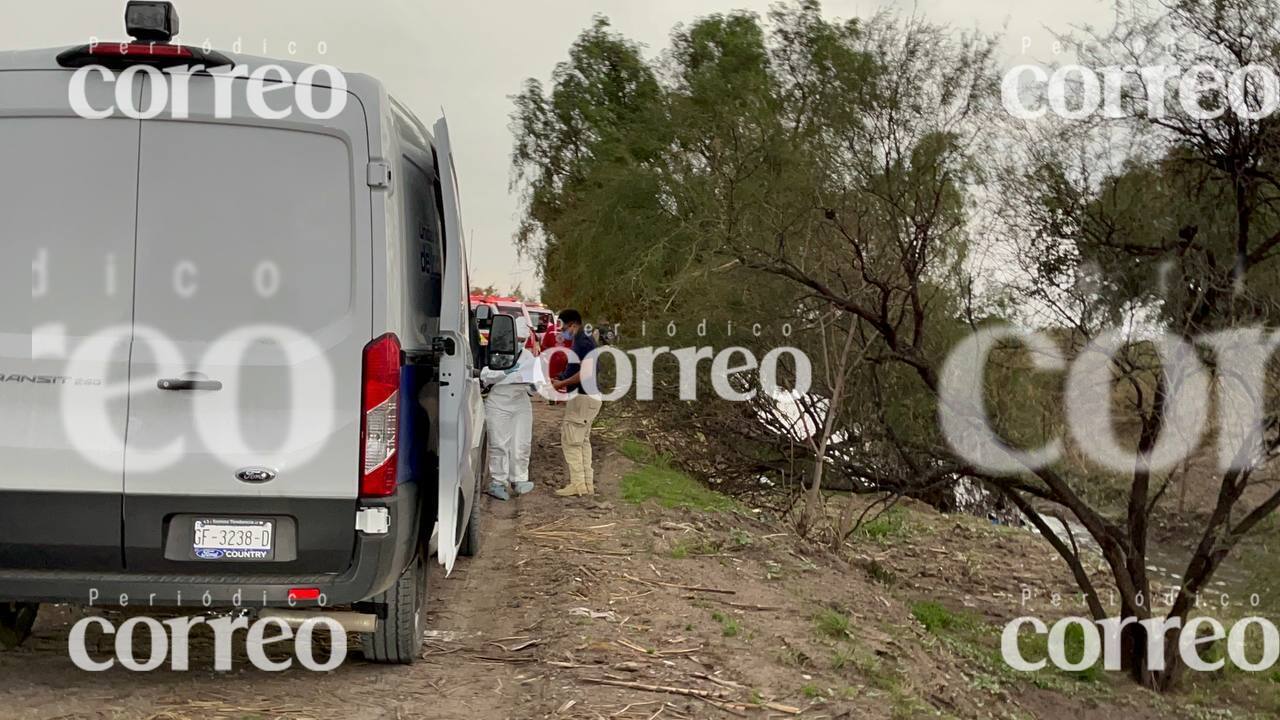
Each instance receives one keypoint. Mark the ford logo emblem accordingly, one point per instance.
(208, 554)
(256, 475)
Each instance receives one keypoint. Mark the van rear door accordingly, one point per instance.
(461, 409)
(67, 201)
(253, 307)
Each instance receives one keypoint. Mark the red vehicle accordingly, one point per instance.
(543, 318)
(514, 307)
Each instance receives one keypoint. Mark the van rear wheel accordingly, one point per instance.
(471, 539)
(16, 621)
(399, 636)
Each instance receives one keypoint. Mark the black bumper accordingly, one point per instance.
(375, 563)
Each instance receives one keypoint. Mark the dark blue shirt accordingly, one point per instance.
(583, 346)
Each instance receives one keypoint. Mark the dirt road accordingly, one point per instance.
(489, 597)
(600, 608)
(507, 633)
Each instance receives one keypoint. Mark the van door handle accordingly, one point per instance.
(177, 384)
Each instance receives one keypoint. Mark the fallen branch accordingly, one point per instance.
(716, 698)
(744, 606)
(779, 707)
(515, 648)
(585, 551)
(632, 646)
(721, 682)
(691, 588)
(734, 709)
(689, 692)
(511, 660)
(560, 664)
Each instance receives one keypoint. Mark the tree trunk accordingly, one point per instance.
(813, 498)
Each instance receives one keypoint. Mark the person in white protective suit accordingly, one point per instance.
(508, 415)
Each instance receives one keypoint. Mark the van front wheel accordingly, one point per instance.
(399, 636)
(16, 621)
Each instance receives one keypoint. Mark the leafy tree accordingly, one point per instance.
(848, 178)
(1176, 230)
(580, 146)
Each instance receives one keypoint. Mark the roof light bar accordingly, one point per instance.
(151, 21)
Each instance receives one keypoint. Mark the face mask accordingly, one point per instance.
(567, 334)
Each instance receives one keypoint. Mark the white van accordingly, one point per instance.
(246, 375)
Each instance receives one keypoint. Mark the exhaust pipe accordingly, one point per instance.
(352, 622)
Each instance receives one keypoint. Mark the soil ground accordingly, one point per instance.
(606, 608)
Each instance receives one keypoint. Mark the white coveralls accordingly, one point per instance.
(509, 419)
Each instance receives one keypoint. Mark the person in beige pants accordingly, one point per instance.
(581, 410)
(575, 437)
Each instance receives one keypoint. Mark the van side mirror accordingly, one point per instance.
(484, 316)
(504, 347)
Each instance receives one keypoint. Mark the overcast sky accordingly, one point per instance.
(470, 56)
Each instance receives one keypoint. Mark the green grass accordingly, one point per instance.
(672, 489)
(971, 638)
(937, 619)
(890, 524)
(729, 626)
(1036, 647)
(697, 547)
(640, 452)
(811, 691)
(658, 480)
(831, 623)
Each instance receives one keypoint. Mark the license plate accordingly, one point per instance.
(233, 539)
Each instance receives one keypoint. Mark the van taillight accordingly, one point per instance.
(137, 50)
(121, 55)
(380, 424)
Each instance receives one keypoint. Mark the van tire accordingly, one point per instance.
(471, 539)
(398, 638)
(16, 621)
